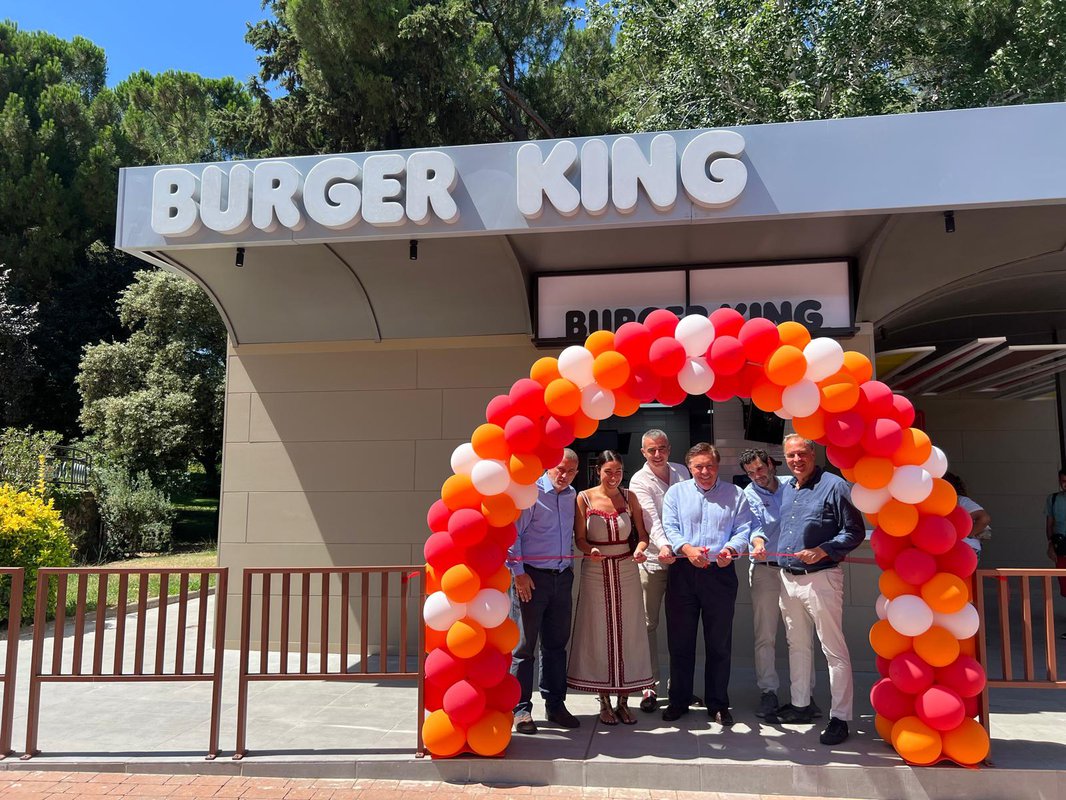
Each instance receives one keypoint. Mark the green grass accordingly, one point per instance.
(196, 525)
(206, 558)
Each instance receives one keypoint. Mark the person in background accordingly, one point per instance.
(1055, 511)
(649, 485)
(981, 518)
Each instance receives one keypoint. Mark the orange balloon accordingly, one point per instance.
(545, 370)
(610, 369)
(433, 639)
(501, 582)
(873, 472)
(504, 637)
(525, 468)
(488, 442)
(916, 741)
(892, 585)
(432, 580)
(915, 448)
(562, 397)
(858, 366)
(466, 638)
(849, 476)
(812, 427)
(941, 501)
(599, 342)
(945, 593)
(896, 518)
(458, 492)
(766, 395)
(937, 647)
(794, 334)
(499, 510)
(460, 583)
(840, 392)
(490, 735)
(583, 426)
(625, 404)
(441, 736)
(786, 365)
(966, 744)
(968, 647)
(884, 727)
(871, 518)
(886, 641)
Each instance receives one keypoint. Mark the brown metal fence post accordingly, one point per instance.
(33, 711)
(14, 621)
(221, 589)
(241, 748)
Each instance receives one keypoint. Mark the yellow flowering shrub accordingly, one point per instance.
(32, 535)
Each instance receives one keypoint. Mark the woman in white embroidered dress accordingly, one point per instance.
(609, 647)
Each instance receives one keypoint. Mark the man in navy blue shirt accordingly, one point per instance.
(819, 527)
(541, 600)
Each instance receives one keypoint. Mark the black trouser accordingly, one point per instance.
(545, 618)
(693, 594)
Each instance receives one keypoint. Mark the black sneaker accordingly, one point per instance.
(723, 717)
(788, 714)
(649, 703)
(835, 732)
(563, 718)
(767, 705)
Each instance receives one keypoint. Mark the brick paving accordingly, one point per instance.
(40, 785)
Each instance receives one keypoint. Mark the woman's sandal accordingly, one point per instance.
(607, 716)
(624, 715)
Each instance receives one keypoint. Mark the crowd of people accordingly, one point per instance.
(675, 535)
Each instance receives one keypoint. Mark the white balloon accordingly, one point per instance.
(881, 606)
(575, 364)
(910, 484)
(440, 613)
(696, 377)
(937, 463)
(464, 458)
(824, 357)
(869, 501)
(783, 414)
(597, 402)
(801, 399)
(523, 494)
(908, 614)
(489, 607)
(962, 624)
(695, 332)
(490, 477)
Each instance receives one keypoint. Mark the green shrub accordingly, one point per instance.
(32, 535)
(136, 515)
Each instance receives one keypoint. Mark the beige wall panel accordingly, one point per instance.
(433, 463)
(345, 416)
(233, 517)
(319, 466)
(310, 554)
(481, 367)
(991, 445)
(238, 409)
(464, 410)
(339, 517)
(322, 372)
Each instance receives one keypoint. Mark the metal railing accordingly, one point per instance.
(289, 640)
(115, 667)
(14, 620)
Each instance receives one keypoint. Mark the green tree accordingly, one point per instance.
(153, 403)
(18, 364)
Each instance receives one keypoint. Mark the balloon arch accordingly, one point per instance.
(926, 699)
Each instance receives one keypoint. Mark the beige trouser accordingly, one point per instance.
(816, 600)
(653, 581)
(766, 592)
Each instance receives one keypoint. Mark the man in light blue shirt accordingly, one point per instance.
(541, 600)
(708, 523)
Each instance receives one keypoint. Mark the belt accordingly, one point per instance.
(773, 564)
(804, 571)
(543, 569)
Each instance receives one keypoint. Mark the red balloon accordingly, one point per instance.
(488, 667)
(661, 322)
(499, 410)
(747, 377)
(670, 392)
(915, 566)
(888, 545)
(643, 384)
(503, 536)
(504, 696)
(941, 708)
(882, 437)
(444, 669)
(726, 355)
(890, 701)
(881, 663)
(522, 434)
(433, 696)
(902, 412)
(844, 429)
(527, 398)
(632, 340)
(933, 534)
(666, 356)
(964, 675)
(467, 526)
(972, 706)
(760, 338)
(437, 517)
(485, 558)
(549, 455)
(464, 703)
(875, 400)
(726, 321)
(960, 560)
(724, 388)
(844, 457)
(558, 432)
(910, 673)
(961, 521)
(441, 552)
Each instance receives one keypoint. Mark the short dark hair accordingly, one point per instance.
(957, 483)
(703, 449)
(753, 454)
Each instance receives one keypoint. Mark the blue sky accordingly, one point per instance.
(202, 36)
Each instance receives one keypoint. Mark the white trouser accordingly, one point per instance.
(766, 616)
(653, 581)
(816, 600)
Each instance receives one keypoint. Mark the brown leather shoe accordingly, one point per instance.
(723, 718)
(563, 718)
(523, 723)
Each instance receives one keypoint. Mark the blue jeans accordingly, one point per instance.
(545, 619)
